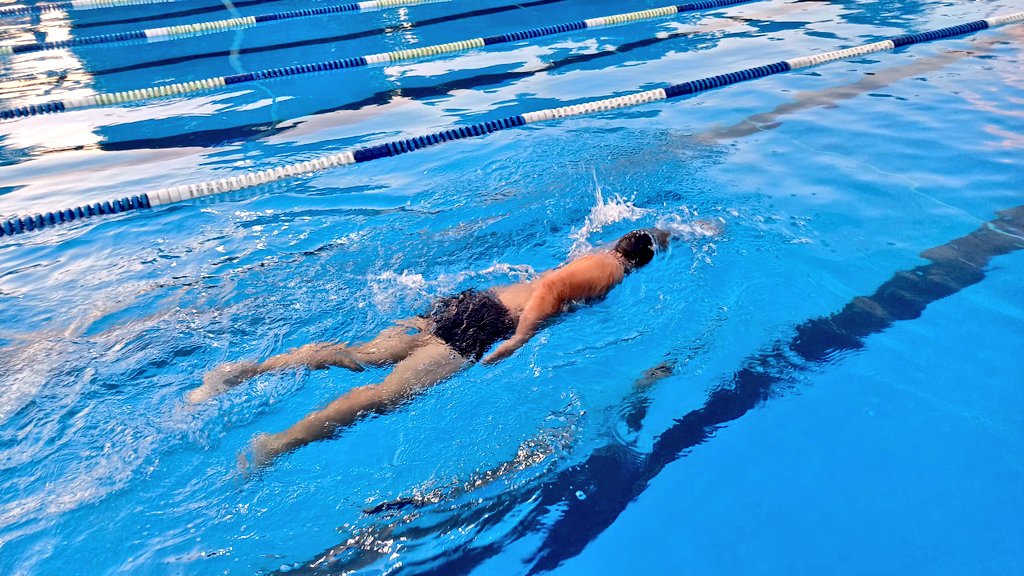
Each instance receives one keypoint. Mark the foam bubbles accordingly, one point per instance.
(685, 227)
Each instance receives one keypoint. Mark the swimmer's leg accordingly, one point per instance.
(432, 362)
(389, 346)
(392, 344)
(316, 356)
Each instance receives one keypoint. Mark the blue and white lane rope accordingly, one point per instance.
(196, 28)
(75, 5)
(396, 147)
(355, 62)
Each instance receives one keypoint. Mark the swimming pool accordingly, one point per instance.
(899, 457)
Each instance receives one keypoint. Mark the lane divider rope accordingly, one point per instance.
(397, 147)
(196, 28)
(75, 5)
(151, 92)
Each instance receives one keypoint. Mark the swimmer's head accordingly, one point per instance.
(639, 246)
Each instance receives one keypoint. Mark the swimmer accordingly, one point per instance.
(428, 349)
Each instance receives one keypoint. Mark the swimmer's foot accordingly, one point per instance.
(218, 380)
(262, 451)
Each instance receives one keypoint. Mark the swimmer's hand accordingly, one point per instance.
(708, 228)
(218, 380)
(505, 349)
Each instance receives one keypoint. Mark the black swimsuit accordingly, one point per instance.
(471, 321)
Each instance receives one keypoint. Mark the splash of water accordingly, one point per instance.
(391, 291)
(604, 213)
(685, 224)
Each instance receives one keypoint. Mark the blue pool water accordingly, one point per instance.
(901, 457)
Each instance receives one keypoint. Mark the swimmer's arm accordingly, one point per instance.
(542, 305)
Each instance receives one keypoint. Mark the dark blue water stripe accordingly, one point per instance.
(39, 221)
(940, 33)
(396, 147)
(695, 86)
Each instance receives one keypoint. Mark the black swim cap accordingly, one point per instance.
(637, 248)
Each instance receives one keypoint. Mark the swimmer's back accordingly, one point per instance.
(586, 278)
